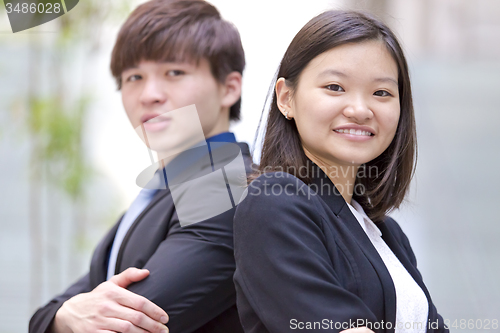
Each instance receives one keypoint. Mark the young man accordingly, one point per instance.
(169, 55)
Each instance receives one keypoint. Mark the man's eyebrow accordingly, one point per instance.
(130, 67)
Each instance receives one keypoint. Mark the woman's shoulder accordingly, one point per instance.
(278, 206)
(282, 186)
(276, 178)
(277, 192)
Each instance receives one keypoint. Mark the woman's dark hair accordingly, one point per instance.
(282, 149)
(179, 30)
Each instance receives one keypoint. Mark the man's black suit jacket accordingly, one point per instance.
(302, 257)
(191, 267)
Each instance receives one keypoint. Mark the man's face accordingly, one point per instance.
(152, 89)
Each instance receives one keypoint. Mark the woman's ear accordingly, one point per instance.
(232, 89)
(284, 98)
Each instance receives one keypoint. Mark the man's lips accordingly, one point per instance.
(148, 116)
(155, 122)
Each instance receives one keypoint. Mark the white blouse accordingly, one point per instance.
(411, 304)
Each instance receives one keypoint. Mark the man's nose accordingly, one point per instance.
(153, 92)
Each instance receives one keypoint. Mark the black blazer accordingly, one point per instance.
(302, 257)
(191, 267)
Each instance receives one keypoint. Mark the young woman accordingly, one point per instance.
(315, 249)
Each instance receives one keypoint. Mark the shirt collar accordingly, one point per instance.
(361, 216)
(179, 164)
(222, 137)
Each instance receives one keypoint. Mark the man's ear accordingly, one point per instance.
(284, 98)
(232, 89)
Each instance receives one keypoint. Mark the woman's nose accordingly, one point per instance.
(358, 110)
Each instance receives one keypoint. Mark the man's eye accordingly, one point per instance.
(134, 77)
(382, 93)
(334, 87)
(174, 72)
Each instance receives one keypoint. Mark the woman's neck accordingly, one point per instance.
(342, 176)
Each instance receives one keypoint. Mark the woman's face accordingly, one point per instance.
(346, 103)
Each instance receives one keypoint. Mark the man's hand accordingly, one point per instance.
(111, 308)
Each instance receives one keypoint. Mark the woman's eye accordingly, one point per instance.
(382, 93)
(134, 77)
(174, 72)
(334, 87)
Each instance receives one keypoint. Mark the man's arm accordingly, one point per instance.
(191, 272)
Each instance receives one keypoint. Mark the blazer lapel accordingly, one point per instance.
(136, 253)
(378, 264)
(397, 249)
(99, 262)
(337, 204)
(395, 246)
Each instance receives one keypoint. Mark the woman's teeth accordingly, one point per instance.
(353, 132)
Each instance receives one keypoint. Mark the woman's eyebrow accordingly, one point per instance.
(386, 79)
(328, 72)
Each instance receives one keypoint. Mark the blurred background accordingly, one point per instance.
(69, 157)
